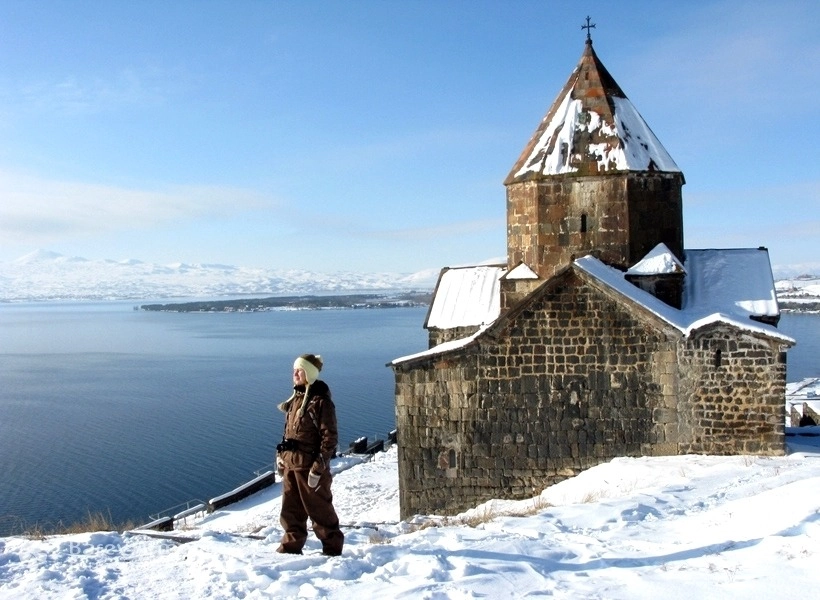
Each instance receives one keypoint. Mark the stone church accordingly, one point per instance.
(600, 337)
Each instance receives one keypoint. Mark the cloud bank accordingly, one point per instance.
(38, 211)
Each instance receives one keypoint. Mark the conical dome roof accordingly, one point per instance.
(592, 128)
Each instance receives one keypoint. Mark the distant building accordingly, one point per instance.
(600, 337)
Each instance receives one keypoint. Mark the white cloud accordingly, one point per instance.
(38, 211)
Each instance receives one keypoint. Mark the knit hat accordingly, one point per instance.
(311, 364)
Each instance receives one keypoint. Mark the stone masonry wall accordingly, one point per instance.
(655, 214)
(617, 218)
(574, 380)
(734, 384)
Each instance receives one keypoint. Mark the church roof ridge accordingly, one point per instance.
(591, 128)
(719, 291)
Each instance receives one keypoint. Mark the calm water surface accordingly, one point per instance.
(107, 409)
(804, 359)
(103, 408)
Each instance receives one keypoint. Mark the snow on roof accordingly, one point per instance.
(442, 347)
(630, 144)
(721, 286)
(660, 260)
(592, 122)
(737, 280)
(466, 296)
(522, 271)
(640, 146)
(706, 300)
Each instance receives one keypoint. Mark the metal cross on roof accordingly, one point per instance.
(589, 26)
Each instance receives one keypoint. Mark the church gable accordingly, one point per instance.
(661, 274)
(517, 284)
(563, 381)
(660, 261)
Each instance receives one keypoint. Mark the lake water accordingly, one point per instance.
(104, 408)
(804, 359)
(129, 413)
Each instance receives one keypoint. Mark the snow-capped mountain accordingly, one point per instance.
(45, 275)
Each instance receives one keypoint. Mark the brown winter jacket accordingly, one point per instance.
(316, 433)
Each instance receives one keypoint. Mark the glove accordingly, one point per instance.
(313, 480)
(280, 465)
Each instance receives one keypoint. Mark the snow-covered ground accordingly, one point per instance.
(666, 527)
(802, 289)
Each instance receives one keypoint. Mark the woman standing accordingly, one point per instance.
(303, 461)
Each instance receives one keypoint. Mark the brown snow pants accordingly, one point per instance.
(300, 502)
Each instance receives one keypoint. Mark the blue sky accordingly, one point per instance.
(375, 135)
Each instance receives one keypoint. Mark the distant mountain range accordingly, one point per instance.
(45, 275)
